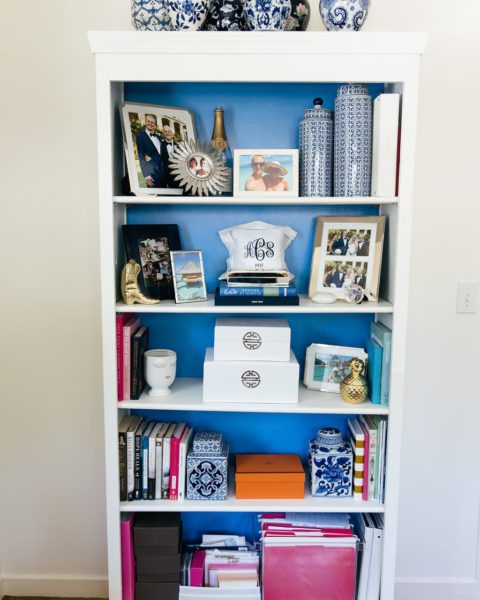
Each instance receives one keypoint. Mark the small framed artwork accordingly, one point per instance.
(151, 133)
(150, 246)
(326, 366)
(188, 276)
(263, 173)
(347, 250)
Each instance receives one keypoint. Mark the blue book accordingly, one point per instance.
(374, 370)
(262, 290)
(382, 335)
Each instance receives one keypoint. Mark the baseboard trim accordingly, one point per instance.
(73, 587)
(437, 589)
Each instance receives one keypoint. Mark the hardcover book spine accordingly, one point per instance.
(134, 368)
(158, 468)
(128, 331)
(384, 149)
(137, 466)
(122, 465)
(182, 463)
(258, 291)
(358, 447)
(130, 464)
(119, 341)
(166, 469)
(372, 453)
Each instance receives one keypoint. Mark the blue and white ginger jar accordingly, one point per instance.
(299, 16)
(267, 15)
(187, 14)
(316, 151)
(344, 15)
(353, 141)
(226, 15)
(331, 464)
(150, 15)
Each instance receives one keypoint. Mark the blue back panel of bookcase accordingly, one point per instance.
(256, 116)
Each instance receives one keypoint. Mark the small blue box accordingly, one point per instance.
(331, 464)
(207, 474)
(208, 443)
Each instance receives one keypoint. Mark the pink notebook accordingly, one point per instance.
(307, 572)
(128, 556)
(196, 568)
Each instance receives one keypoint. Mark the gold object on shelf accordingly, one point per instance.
(354, 387)
(129, 285)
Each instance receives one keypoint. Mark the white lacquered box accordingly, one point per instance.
(252, 339)
(252, 381)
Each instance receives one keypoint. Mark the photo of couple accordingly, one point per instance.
(344, 274)
(266, 172)
(198, 166)
(348, 242)
(152, 134)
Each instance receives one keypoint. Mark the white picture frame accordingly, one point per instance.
(326, 366)
(140, 163)
(188, 276)
(279, 172)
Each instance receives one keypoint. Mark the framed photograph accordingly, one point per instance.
(188, 276)
(263, 173)
(347, 250)
(151, 133)
(150, 246)
(326, 366)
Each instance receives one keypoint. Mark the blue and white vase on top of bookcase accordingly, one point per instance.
(344, 15)
(267, 15)
(353, 141)
(150, 15)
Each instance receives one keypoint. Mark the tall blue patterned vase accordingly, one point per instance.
(353, 141)
(150, 15)
(267, 15)
(344, 15)
(316, 151)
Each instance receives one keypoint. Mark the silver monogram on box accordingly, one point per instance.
(353, 141)
(316, 151)
(207, 469)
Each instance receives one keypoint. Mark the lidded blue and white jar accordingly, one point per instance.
(267, 15)
(316, 151)
(331, 464)
(353, 141)
(151, 15)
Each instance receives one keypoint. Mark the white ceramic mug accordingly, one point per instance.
(160, 370)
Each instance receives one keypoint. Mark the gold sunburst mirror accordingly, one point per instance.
(197, 170)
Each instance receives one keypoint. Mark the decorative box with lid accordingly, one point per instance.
(331, 464)
(207, 468)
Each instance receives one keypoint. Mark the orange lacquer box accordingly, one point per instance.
(269, 476)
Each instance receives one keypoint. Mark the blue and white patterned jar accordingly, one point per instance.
(268, 15)
(226, 15)
(330, 464)
(187, 14)
(316, 151)
(299, 16)
(344, 15)
(150, 15)
(353, 141)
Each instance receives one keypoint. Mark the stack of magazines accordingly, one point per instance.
(247, 288)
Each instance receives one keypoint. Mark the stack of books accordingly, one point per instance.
(153, 458)
(132, 343)
(247, 288)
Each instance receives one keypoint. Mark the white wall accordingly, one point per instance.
(52, 517)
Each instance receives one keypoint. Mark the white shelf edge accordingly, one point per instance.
(240, 200)
(187, 395)
(306, 306)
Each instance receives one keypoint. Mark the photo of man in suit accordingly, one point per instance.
(339, 276)
(340, 246)
(167, 148)
(363, 247)
(149, 153)
(360, 278)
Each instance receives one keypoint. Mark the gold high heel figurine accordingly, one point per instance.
(354, 387)
(129, 285)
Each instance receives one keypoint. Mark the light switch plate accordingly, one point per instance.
(467, 297)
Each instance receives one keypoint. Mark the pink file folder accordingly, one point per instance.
(307, 572)
(196, 568)
(128, 557)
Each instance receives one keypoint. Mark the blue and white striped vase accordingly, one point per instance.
(151, 15)
(316, 151)
(353, 141)
(344, 15)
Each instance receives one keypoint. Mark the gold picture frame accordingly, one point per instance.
(347, 251)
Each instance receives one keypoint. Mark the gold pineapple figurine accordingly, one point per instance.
(354, 387)
(129, 285)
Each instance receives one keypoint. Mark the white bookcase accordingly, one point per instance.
(391, 59)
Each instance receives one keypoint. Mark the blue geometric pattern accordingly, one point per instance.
(270, 15)
(316, 153)
(151, 15)
(207, 475)
(344, 15)
(353, 141)
(207, 443)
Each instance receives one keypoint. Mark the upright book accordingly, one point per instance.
(137, 377)
(128, 556)
(357, 438)
(386, 109)
(159, 460)
(174, 459)
(122, 456)
(120, 321)
(255, 300)
(382, 335)
(128, 330)
(374, 370)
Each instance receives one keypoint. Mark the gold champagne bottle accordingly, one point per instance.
(219, 143)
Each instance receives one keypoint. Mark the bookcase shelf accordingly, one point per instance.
(306, 306)
(131, 66)
(239, 200)
(187, 395)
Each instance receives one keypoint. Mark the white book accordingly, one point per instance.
(374, 574)
(372, 455)
(182, 462)
(386, 108)
(366, 535)
(159, 459)
(131, 453)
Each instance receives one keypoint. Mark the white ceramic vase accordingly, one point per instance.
(160, 371)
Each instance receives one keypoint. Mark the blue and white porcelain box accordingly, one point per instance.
(331, 464)
(207, 471)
